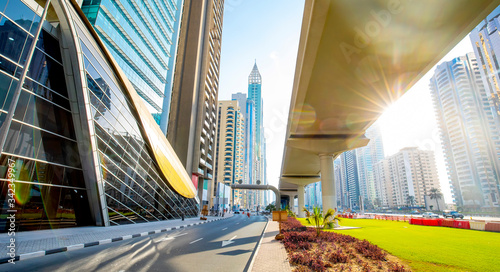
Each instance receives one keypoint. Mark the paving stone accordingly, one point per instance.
(272, 255)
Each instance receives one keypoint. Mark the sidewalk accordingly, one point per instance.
(31, 244)
(271, 255)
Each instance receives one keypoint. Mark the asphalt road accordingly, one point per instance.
(225, 245)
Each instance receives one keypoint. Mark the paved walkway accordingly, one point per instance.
(46, 240)
(272, 255)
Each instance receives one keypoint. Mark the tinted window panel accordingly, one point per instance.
(47, 72)
(18, 12)
(12, 39)
(7, 87)
(42, 207)
(49, 45)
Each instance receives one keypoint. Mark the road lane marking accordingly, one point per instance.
(237, 223)
(196, 241)
(224, 229)
(171, 237)
(228, 242)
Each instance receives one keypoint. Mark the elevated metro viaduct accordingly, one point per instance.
(355, 58)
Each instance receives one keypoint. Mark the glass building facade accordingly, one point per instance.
(142, 37)
(81, 148)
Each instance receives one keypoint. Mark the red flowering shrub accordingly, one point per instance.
(369, 250)
(394, 267)
(338, 256)
(292, 224)
(332, 251)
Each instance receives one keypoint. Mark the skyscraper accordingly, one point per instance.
(350, 179)
(255, 95)
(193, 110)
(230, 158)
(485, 40)
(366, 158)
(142, 37)
(249, 176)
(468, 132)
(408, 176)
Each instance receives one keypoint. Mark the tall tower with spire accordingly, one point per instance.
(255, 95)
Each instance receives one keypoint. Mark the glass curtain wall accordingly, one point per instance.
(133, 188)
(40, 146)
(42, 149)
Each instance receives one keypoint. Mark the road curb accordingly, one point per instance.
(26, 256)
(256, 251)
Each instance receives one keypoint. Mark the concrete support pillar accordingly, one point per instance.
(301, 196)
(292, 202)
(200, 193)
(328, 182)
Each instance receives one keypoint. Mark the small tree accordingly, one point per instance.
(435, 194)
(410, 200)
(319, 220)
(270, 207)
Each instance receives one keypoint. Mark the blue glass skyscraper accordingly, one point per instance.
(142, 37)
(255, 94)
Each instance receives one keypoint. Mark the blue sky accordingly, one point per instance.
(269, 31)
(266, 31)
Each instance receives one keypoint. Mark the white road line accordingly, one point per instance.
(171, 237)
(196, 241)
(224, 229)
(237, 223)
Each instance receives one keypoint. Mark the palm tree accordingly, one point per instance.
(308, 214)
(434, 193)
(319, 220)
(410, 200)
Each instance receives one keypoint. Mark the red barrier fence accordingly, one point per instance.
(461, 224)
(448, 223)
(430, 222)
(492, 226)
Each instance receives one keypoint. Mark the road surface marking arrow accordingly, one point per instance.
(228, 242)
(196, 241)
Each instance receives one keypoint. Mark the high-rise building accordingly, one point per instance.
(250, 164)
(312, 195)
(485, 40)
(193, 111)
(469, 133)
(255, 95)
(350, 180)
(142, 37)
(78, 143)
(366, 158)
(383, 185)
(408, 176)
(229, 167)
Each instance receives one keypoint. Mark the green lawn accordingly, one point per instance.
(430, 248)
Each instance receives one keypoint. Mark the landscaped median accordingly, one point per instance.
(429, 248)
(309, 250)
